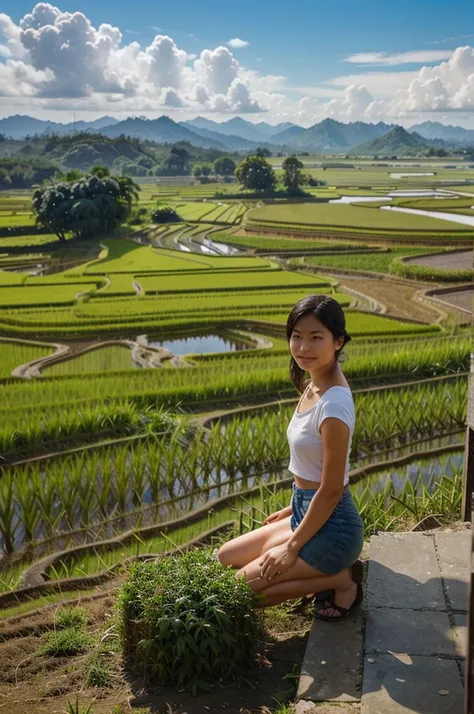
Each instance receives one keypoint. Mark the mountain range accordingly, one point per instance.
(239, 135)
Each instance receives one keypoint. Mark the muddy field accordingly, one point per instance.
(451, 261)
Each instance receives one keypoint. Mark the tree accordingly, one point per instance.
(256, 174)
(128, 190)
(292, 176)
(224, 166)
(262, 152)
(73, 175)
(88, 208)
(197, 170)
(100, 171)
(206, 170)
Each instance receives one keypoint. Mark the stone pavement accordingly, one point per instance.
(404, 652)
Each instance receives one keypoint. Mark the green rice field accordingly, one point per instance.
(92, 446)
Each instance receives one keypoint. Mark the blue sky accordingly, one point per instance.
(306, 45)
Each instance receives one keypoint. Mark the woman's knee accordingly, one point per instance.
(224, 555)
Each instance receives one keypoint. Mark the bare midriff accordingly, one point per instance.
(306, 483)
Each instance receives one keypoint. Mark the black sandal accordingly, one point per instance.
(327, 595)
(343, 611)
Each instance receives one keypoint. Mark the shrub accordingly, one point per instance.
(186, 621)
(164, 214)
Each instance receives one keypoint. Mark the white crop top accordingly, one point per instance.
(304, 437)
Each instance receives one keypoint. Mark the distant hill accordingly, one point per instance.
(162, 130)
(19, 126)
(450, 134)
(234, 143)
(396, 141)
(334, 136)
(258, 133)
(287, 135)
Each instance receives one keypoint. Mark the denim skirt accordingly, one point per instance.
(339, 541)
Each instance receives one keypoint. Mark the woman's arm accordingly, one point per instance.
(335, 437)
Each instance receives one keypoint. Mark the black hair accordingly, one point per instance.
(331, 314)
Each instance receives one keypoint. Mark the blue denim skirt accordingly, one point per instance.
(339, 541)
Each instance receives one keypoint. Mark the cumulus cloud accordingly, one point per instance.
(237, 44)
(445, 87)
(54, 55)
(11, 32)
(55, 59)
(166, 62)
(217, 68)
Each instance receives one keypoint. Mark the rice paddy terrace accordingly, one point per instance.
(144, 378)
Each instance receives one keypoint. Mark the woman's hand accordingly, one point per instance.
(276, 560)
(277, 516)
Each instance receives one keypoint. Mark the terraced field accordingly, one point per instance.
(111, 450)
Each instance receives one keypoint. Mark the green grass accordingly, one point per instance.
(105, 359)
(13, 354)
(373, 262)
(25, 241)
(231, 281)
(35, 295)
(360, 324)
(128, 257)
(275, 243)
(65, 643)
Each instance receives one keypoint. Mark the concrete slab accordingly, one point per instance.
(411, 631)
(454, 554)
(460, 635)
(404, 572)
(404, 685)
(331, 669)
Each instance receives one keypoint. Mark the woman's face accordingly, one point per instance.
(312, 345)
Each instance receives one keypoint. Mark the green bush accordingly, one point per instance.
(186, 621)
(164, 214)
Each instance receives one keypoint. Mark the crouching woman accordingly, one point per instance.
(313, 544)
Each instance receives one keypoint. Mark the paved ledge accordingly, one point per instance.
(404, 652)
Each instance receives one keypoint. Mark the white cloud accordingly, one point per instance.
(60, 61)
(445, 87)
(60, 56)
(412, 57)
(217, 68)
(166, 62)
(237, 43)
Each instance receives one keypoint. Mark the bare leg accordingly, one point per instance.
(290, 589)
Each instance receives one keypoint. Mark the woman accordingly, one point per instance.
(312, 545)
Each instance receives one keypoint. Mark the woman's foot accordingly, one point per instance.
(345, 601)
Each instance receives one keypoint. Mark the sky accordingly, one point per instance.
(402, 62)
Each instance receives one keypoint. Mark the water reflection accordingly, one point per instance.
(200, 344)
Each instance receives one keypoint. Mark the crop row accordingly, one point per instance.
(81, 489)
(377, 261)
(350, 216)
(212, 380)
